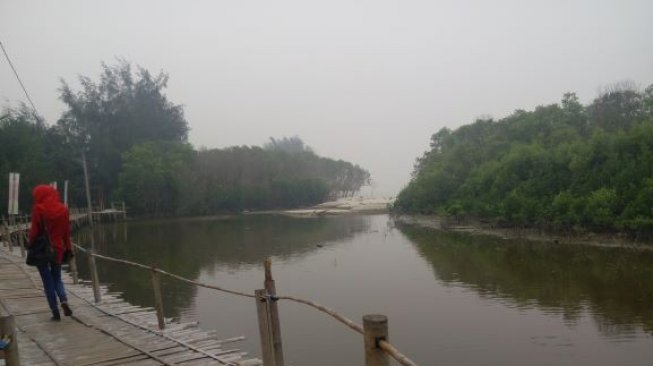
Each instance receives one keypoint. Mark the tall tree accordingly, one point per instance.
(122, 109)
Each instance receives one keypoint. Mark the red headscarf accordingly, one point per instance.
(46, 198)
(49, 209)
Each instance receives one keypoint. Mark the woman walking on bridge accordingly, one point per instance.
(49, 214)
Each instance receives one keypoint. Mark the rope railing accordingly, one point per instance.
(380, 343)
(344, 320)
(157, 270)
(394, 353)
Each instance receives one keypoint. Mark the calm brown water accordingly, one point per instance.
(451, 299)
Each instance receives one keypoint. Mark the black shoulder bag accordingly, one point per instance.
(40, 251)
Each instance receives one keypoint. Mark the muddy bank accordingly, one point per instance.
(480, 228)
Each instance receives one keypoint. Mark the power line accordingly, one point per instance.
(18, 78)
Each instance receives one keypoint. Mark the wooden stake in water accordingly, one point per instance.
(158, 299)
(94, 277)
(376, 329)
(264, 327)
(275, 323)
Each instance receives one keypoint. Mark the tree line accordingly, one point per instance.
(135, 142)
(563, 167)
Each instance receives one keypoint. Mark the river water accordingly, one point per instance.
(451, 298)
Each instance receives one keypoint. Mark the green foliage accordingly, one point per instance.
(149, 180)
(37, 152)
(134, 139)
(561, 167)
(252, 178)
(169, 177)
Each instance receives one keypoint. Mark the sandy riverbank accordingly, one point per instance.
(346, 206)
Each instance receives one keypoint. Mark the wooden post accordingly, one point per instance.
(8, 329)
(264, 327)
(10, 225)
(9, 241)
(3, 231)
(22, 229)
(88, 190)
(124, 211)
(376, 329)
(73, 265)
(275, 323)
(6, 235)
(94, 277)
(158, 299)
(3, 227)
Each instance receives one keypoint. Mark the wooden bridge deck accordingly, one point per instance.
(110, 333)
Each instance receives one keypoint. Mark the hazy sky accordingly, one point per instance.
(364, 81)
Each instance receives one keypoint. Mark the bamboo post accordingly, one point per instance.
(3, 230)
(264, 327)
(11, 245)
(73, 266)
(7, 234)
(88, 190)
(124, 211)
(158, 299)
(94, 277)
(8, 330)
(376, 329)
(27, 226)
(22, 229)
(275, 323)
(10, 226)
(3, 227)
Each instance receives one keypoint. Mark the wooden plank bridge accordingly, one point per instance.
(110, 333)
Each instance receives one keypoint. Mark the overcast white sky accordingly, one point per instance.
(364, 81)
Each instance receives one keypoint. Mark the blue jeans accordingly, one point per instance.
(52, 285)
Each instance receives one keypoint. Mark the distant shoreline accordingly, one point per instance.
(343, 207)
(478, 228)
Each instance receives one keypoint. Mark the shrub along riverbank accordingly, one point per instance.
(563, 168)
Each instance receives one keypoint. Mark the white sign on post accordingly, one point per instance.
(14, 180)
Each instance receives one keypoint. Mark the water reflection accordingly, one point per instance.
(613, 284)
(452, 298)
(191, 246)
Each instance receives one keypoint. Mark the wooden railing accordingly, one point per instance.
(374, 329)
